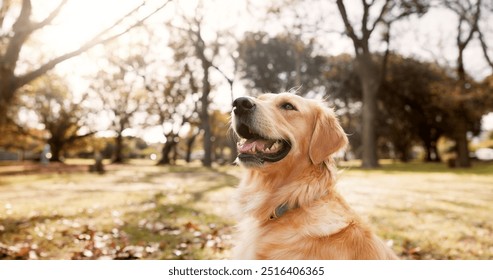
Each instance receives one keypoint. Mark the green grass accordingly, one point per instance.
(142, 211)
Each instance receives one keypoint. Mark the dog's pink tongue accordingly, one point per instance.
(252, 145)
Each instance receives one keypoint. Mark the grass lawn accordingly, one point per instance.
(142, 211)
(426, 211)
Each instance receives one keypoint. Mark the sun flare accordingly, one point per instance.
(79, 21)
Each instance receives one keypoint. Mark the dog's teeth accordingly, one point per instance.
(275, 146)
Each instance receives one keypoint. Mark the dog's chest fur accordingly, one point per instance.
(323, 226)
(294, 235)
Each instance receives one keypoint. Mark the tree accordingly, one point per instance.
(13, 38)
(17, 138)
(277, 64)
(222, 137)
(369, 69)
(343, 90)
(200, 53)
(469, 15)
(122, 90)
(230, 142)
(412, 109)
(64, 117)
(206, 64)
(174, 106)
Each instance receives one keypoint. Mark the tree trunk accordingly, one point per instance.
(403, 157)
(460, 136)
(56, 151)
(434, 151)
(461, 143)
(190, 142)
(118, 149)
(206, 126)
(431, 151)
(166, 151)
(368, 73)
(175, 153)
(428, 151)
(7, 90)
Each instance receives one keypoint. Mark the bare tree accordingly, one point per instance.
(369, 68)
(193, 44)
(174, 107)
(468, 14)
(487, 13)
(12, 41)
(200, 49)
(123, 94)
(231, 135)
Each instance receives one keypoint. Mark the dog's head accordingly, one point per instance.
(279, 128)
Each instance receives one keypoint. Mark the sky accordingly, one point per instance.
(429, 38)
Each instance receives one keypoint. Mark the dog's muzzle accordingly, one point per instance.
(255, 146)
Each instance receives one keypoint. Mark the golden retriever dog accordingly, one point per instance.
(288, 205)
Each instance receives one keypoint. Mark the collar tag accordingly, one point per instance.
(279, 211)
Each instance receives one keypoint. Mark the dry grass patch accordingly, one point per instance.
(131, 212)
(426, 210)
(142, 211)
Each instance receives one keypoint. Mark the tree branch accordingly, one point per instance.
(386, 54)
(230, 81)
(364, 20)
(380, 17)
(23, 21)
(72, 138)
(485, 48)
(3, 11)
(96, 40)
(21, 31)
(349, 28)
(473, 24)
(20, 129)
(49, 18)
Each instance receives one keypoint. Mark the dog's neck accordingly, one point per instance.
(266, 196)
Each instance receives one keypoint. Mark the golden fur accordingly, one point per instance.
(320, 224)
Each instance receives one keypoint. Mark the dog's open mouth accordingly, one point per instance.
(253, 147)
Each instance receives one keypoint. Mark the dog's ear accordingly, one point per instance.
(328, 137)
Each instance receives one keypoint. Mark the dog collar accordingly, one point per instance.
(281, 210)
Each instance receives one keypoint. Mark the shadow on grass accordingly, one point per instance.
(184, 172)
(150, 230)
(11, 225)
(181, 231)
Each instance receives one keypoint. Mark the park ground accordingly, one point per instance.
(143, 211)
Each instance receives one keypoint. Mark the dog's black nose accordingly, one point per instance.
(243, 105)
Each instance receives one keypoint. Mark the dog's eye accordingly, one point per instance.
(288, 106)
